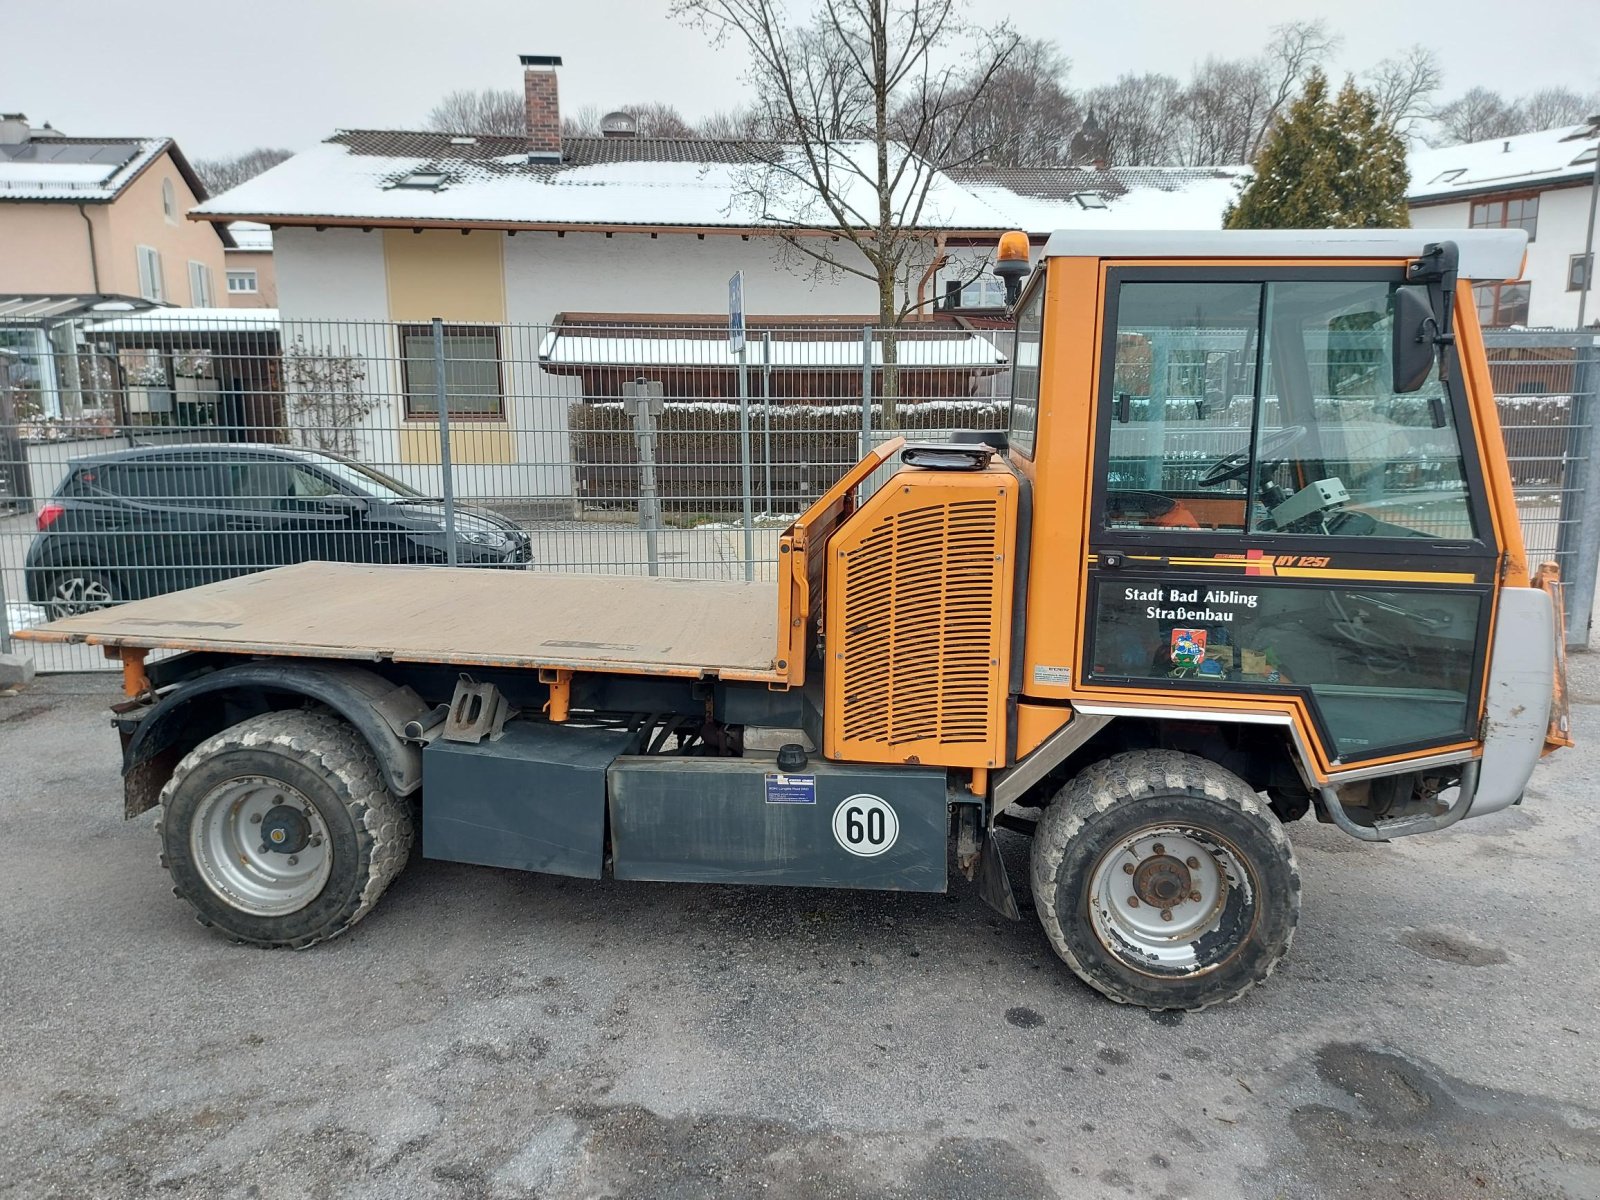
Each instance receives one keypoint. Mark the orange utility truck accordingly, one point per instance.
(1248, 551)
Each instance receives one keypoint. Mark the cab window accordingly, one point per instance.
(1268, 408)
(1024, 422)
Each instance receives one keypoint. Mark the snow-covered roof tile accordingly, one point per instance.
(346, 179)
(1499, 164)
(251, 235)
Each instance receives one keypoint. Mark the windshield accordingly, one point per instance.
(366, 480)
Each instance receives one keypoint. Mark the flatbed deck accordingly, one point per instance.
(488, 618)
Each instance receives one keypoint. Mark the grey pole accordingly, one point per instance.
(1588, 238)
(766, 416)
(647, 402)
(7, 357)
(443, 401)
(866, 390)
(744, 467)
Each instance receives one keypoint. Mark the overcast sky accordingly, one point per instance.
(292, 71)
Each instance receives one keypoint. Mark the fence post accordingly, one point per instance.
(766, 419)
(744, 466)
(1579, 583)
(443, 401)
(647, 401)
(866, 390)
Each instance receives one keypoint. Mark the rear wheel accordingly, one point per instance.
(1163, 880)
(79, 591)
(279, 830)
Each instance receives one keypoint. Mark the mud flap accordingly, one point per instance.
(994, 885)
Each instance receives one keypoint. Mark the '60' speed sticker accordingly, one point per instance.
(865, 825)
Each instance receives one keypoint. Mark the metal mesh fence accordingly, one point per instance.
(145, 452)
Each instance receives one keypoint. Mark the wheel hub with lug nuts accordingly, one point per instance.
(1156, 895)
(261, 846)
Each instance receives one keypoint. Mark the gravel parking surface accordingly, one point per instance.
(1433, 1033)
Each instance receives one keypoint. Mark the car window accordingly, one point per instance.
(274, 483)
(179, 483)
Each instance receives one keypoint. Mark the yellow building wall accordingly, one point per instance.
(461, 279)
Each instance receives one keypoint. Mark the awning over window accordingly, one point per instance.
(578, 348)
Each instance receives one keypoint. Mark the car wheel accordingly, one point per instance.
(79, 591)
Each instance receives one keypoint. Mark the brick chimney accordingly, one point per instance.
(542, 106)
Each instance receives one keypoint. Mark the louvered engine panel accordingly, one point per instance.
(918, 621)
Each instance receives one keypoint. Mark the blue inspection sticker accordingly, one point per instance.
(791, 789)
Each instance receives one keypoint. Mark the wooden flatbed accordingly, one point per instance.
(487, 618)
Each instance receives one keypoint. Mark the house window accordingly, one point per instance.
(199, 284)
(150, 282)
(1517, 212)
(1578, 268)
(1502, 303)
(242, 282)
(986, 291)
(169, 202)
(471, 371)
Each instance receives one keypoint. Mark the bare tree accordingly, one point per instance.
(1223, 112)
(1476, 116)
(492, 111)
(851, 91)
(1551, 108)
(736, 125)
(1295, 50)
(1402, 88)
(1138, 115)
(220, 174)
(1025, 116)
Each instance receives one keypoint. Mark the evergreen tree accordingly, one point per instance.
(1330, 164)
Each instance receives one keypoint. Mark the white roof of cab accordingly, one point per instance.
(1485, 253)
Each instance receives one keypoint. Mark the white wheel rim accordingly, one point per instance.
(261, 846)
(80, 594)
(1171, 900)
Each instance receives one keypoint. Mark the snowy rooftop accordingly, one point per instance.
(1549, 156)
(189, 320)
(395, 177)
(563, 347)
(251, 235)
(81, 170)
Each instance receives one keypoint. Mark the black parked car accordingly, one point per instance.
(136, 523)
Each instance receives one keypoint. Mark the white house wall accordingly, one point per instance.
(1563, 218)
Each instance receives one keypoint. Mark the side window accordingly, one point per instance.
(1025, 373)
(178, 483)
(1209, 432)
(1337, 452)
(1182, 394)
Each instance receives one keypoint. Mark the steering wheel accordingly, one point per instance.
(1237, 464)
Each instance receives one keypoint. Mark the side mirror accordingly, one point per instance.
(1415, 325)
(341, 505)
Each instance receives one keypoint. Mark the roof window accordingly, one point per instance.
(430, 180)
(463, 141)
(1449, 176)
(1090, 200)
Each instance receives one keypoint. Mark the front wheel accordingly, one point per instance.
(279, 830)
(1163, 880)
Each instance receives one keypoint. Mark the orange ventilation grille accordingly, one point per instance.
(917, 624)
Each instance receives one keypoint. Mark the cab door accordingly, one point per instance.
(1270, 518)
